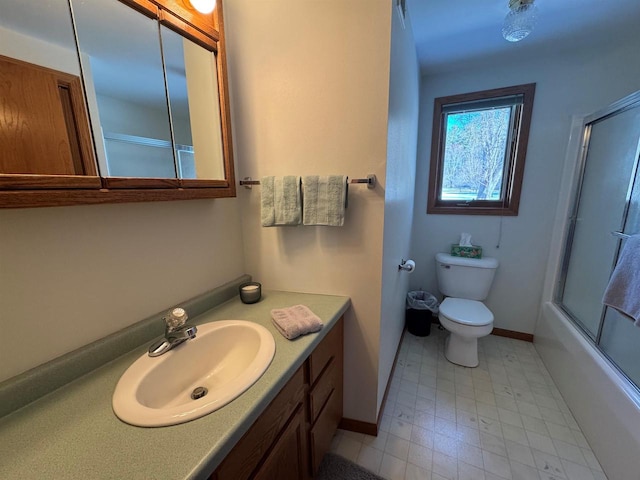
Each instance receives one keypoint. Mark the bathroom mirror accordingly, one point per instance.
(121, 61)
(193, 91)
(137, 63)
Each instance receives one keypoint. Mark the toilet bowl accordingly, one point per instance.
(466, 321)
(465, 282)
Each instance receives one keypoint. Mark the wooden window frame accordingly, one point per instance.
(514, 160)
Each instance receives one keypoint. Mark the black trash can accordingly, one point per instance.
(420, 308)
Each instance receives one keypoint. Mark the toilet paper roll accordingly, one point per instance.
(408, 266)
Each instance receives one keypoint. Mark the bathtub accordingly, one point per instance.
(605, 405)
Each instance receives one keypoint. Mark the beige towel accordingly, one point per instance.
(295, 321)
(623, 291)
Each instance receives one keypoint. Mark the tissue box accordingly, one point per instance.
(467, 252)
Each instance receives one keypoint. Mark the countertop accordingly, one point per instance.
(72, 433)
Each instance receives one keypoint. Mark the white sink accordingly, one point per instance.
(225, 357)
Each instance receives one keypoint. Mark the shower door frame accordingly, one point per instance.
(624, 104)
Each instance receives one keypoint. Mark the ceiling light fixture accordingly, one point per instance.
(203, 6)
(520, 20)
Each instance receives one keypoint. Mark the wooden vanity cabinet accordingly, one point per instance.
(289, 439)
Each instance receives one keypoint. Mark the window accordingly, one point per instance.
(478, 149)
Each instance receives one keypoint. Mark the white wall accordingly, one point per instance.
(121, 116)
(33, 50)
(204, 110)
(568, 83)
(404, 86)
(72, 275)
(309, 95)
(128, 159)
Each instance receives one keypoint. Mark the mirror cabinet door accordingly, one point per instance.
(122, 67)
(192, 80)
(44, 133)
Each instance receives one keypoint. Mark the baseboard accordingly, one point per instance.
(367, 427)
(501, 332)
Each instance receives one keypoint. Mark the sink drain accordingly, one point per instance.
(198, 392)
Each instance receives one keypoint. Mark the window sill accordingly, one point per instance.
(471, 209)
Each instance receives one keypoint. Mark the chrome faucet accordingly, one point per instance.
(175, 332)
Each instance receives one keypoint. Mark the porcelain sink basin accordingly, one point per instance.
(225, 358)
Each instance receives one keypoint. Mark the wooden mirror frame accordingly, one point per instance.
(33, 190)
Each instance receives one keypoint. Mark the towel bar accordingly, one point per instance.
(247, 182)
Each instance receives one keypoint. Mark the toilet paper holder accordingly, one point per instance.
(407, 265)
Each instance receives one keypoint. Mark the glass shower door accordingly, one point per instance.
(620, 338)
(610, 163)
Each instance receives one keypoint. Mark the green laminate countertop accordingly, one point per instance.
(72, 433)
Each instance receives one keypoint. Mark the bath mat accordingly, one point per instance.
(335, 467)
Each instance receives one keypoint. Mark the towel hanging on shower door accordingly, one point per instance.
(623, 291)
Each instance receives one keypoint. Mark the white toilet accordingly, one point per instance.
(464, 282)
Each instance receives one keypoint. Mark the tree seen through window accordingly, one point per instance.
(474, 154)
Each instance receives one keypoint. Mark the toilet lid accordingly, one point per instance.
(466, 312)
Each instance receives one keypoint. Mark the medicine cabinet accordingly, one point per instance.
(108, 101)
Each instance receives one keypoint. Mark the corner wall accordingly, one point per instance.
(568, 83)
(309, 93)
(404, 90)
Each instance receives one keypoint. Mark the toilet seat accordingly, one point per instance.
(466, 312)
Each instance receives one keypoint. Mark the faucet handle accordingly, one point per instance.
(175, 319)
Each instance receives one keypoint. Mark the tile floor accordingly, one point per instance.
(504, 419)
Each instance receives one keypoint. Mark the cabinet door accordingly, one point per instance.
(286, 461)
(257, 444)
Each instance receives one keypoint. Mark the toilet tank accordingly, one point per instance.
(469, 278)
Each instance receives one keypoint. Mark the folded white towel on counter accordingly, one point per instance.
(294, 321)
(623, 291)
(325, 200)
(280, 202)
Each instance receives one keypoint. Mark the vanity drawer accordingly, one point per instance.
(326, 384)
(330, 347)
(256, 443)
(325, 427)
